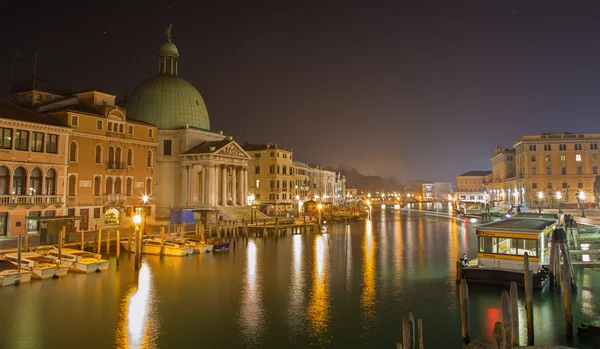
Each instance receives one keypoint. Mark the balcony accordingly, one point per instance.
(116, 166)
(31, 200)
(114, 199)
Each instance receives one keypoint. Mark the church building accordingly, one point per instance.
(197, 169)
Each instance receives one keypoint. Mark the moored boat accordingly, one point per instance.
(199, 245)
(502, 246)
(80, 261)
(41, 267)
(219, 245)
(10, 274)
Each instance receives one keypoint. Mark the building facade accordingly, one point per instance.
(552, 163)
(271, 178)
(111, 160)
(33, 169)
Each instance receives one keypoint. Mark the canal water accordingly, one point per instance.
(345, 289)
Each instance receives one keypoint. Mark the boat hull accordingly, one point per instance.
(501, 277)
(222, 246)
(44, 273)
(203, 248)
(14, 277)
(168, 250)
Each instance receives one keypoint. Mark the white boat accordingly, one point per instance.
(80, 261)
(199, 245)
(41, 267)
(154, 246)
(11, 275)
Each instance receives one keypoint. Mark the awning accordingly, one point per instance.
(53, 218)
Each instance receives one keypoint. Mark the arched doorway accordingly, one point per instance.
(19, 181)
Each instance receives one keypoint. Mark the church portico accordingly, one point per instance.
(214, 172)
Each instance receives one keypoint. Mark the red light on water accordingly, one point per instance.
(493, 316)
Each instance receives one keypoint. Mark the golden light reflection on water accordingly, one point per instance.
(398, 255)
(421, 243)
(135, 327)
(318, 308)
(296, 294)
(251, 311)
(367, 298)
(348, 242)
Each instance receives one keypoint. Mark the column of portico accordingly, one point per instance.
(192, 181)
(202, 193)
(184, 185)
(233, 185)
(244, 186)
(215, 185)
(224, 185)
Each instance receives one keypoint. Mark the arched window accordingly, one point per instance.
(129, 157)
(19, 181)
(109, 185)
(35, 182)
(73, 152)
(111, 157)
(118, 158)
(98, 156)
(149, 159)
(4, 180)
(148, 186)
(51, 182)
(97, 186)
(129, 189)
(117, 185)
(72, 185)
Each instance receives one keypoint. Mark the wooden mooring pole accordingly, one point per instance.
(528, 283)
(499, 337)
(567, 299)
(514, 310)
(118, 247)
(506, 318)
(108, 241)
(408, 330)
(82, 234)
(99, 245)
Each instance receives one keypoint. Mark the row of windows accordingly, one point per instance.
(21, 185)
(565, 185)
(113, 158)
(563, 157)
(284, 184)
(111, 186)
(22, 141)
(576, 146)
(284, 155)
(516, 247)
(563, 170)
(112, 126)
(276, 196)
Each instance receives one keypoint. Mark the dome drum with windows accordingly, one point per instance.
(166, 100)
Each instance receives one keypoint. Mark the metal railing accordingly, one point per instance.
(112, 198)
(31, 200)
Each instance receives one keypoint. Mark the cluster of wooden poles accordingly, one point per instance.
(506, 332)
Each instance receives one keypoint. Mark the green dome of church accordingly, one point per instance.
(166, 100)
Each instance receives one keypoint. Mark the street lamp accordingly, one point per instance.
(137, 219)
(145, 199)
(251, 198)
(319, 207)
(581, 200)
(559, 199)
(540, 196)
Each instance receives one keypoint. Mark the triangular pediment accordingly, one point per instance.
(232, 149)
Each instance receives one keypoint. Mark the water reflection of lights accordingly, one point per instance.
(135, 321)
(318, 308)
(367, 298)
(348, 259)
(296, 290)
(252, 312)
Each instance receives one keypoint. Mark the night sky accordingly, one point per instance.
(412, 89)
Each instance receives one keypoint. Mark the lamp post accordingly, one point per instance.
(319, 207)
(145, 199)
(298, 206)
(581, 200)
(559, 199)
(251, 198)
(540, 196)
(137, 219)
